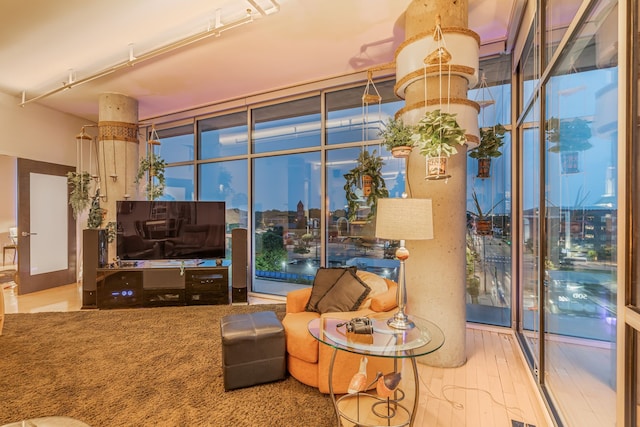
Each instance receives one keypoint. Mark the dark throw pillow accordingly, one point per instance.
(324, 280)
(347, 294)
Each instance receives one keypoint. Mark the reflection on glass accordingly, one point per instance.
(559, 15)
(286, 126)
(179, 183)
(176, 144)
(530, 226)
(530, 67)
(581, 207)
(353, 243)
(223, 136)
(286, 193)
(349, 121)
(488, 267)
(227, 181)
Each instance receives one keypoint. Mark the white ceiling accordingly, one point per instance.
(47, 45)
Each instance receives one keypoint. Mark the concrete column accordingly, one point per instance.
(435, 271)
(117, 152)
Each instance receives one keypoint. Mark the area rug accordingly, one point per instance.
(139, 367)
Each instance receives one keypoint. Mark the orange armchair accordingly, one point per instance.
(308, 360)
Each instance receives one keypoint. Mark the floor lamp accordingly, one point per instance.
(403, 219)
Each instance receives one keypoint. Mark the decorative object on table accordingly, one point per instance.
(403, 219)
(438, 135)
(152, 168)
(396, 137)
(387, 384)
(359, 381)
(481, 219)
(364, 184)
(568, 137)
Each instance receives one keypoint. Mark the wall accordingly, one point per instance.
(38, 133)
(31, 132)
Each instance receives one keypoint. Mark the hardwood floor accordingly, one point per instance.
(492, 388)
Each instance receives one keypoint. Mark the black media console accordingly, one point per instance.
(162, 283)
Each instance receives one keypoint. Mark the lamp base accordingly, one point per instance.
(400, 321)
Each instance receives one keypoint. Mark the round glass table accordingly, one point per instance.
(381, 340)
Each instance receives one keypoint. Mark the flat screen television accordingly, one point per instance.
(170, 230)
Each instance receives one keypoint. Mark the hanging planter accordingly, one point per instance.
(568, 137)
(364, 185)
(152, 167)
(491, 140)
(570, 161)
(396, 137)
(79, 196)
(436, 168)
(482, 224)
(438, 135)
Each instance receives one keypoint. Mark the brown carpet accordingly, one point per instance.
(140, 367)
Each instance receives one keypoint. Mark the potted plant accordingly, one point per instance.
(568, 137)
(491, 140)
(153, 165)
(396, 137)
(79, 197)
(481, 220)
(367, 178)
(438, 135)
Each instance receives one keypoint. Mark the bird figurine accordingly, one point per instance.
(359, 380)
(387, 384)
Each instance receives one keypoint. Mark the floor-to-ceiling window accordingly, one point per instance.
(489, 282)
(570, 212)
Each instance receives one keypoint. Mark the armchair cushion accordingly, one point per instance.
(377, 284)
(386, 301)
(324, 280)
(347, 294)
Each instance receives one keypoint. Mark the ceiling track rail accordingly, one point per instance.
(215, 30)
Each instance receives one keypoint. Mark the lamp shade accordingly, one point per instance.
(404, 219)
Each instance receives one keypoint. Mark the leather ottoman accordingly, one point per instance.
(253, 349)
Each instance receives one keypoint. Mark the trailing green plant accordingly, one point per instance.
(111, 231)
(491, 140)
(568, 134)
(79, 196)
(152, 168)
(367, 165)
(438, 134)
(96, 213)
(396, 134)
(479, 214)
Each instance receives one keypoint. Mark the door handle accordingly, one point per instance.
(25, 234)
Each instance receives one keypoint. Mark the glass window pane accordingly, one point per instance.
(530, 67)
(227, 181)
(287, 206)
(530, 244)
(559, 15)
(353, 242)
(489, 284)
(223, 136)
(293, 124)
(349, 121)
(176, 144)
(179, 183)
(581, 221)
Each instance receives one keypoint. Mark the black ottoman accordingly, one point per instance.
(253, 349)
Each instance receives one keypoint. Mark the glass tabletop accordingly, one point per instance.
(384, 341)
